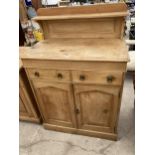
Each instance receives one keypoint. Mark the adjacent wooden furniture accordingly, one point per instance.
(27, 105)
(36, 4)
(77, 72)
(22, 39)
(22, 12)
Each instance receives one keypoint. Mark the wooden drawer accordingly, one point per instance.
(114, 78)
(53, 75)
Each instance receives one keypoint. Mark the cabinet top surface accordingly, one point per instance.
(113, 50)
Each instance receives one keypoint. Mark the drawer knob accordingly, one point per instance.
(110, 78)
(77, 111)
(105, 111)
(82, 77)
(60, 76)
(37, 74)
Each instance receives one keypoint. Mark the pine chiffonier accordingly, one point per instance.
(77, 72)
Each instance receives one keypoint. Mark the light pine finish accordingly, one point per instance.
(109, 50)
(48, 74)
(97, 97)
(79, 16)
(85, 77)
(22, 109)
(56, 102)
(74, 65)
(106, 135)
(86, 28)
(97, 107)
(27, 105)
(90, 77)
(94, 21)
(82, 10)
(77, 72)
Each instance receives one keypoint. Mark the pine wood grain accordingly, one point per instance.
(94, 77)
(94, 21)
(106, 135)
(48, 74)
(81, 16)
(56, 102)
(113, 50)
(85, 45)
(74, 65)
(102, 8)
(27, 104)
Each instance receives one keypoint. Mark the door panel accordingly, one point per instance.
(56, 103)
(27, 102)
(25, 109)
(22, 109)
(97, 106)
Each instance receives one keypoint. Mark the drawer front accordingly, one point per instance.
(114, 78)
(53, 75)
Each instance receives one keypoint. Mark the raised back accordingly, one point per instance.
(94, 21)
(102, 8)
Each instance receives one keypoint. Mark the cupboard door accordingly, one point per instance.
(96, 107)
(22, 109)
(27, 105)
(56, 103)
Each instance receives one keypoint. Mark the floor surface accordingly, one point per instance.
(35, 140)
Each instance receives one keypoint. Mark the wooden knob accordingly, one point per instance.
(60, 76)
(105, 111)
(77, 111)
(110, 78)
(82, 77)
(37, 74)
